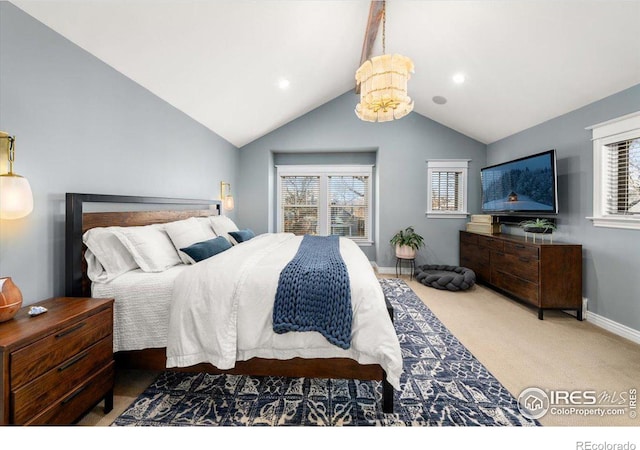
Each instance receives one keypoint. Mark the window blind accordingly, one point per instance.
(623, 177)
(349, 206)
(446, 191)
(300, 204)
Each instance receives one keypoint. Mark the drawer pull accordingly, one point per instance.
(72, 362)
(74, 395)
(499, 254)
(71, 330)
(519, 246)
(523, 259)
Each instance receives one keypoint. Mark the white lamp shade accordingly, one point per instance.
(16, 199)
(383, 88)
(228, 203)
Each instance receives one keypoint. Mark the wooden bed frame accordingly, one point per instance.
(77, 284)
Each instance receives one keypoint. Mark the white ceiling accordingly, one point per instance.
(220, 61)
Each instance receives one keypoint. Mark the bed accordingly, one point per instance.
(150, 308)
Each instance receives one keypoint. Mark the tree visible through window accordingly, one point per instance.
(349, 205)
(300, 204)
(326, 200)
(445, 191)
(447, 188)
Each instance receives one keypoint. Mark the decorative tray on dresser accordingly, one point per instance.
(57, 365)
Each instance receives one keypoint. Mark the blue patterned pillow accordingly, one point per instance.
(206, 249)
(242, 235)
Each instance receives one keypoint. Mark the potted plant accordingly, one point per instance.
(407, 242)
(539, 226)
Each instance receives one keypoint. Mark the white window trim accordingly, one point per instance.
(605, 133)
(323, 172)
(450, 165)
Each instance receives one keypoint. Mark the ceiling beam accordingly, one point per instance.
(373, 25)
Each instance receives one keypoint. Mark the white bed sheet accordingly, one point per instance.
(141, 308)
(222, 309)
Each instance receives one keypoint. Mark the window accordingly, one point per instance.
(325, 200)
(616, 173)
(447, 188)
(300, 204)
(623, 196)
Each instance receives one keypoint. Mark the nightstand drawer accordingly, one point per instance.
(65, 411)
(31, 398)
(39, 357)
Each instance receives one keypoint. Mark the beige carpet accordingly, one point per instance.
(557, 353)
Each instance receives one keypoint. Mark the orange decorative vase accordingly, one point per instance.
(10, 299)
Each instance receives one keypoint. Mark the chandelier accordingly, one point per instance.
(383, 85)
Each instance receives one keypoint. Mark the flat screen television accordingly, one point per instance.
(524, 186)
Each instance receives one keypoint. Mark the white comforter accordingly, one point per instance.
(222, 307)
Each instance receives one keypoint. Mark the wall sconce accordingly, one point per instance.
(16, 198)
(225, 196)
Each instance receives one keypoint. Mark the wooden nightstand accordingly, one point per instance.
(58, 365)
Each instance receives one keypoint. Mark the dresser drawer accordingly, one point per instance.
(476, 261)
(523, 289)
(469, 238)
(522, 250)
(491, 243)
(67, 409)
(33, 397)
(524, 267)
(39, 357)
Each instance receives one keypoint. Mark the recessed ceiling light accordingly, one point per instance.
(283, 83)
(458, 78)
(439, 100)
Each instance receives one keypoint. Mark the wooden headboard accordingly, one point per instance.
(78, 222)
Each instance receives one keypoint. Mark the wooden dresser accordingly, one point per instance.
(543, 274)
(58, 365)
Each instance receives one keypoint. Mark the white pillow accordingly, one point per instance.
(184, 233)
(150, 247)
(206, 222)
(106, 257)
(222, 225)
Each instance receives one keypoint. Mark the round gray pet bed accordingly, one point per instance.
(452, 278)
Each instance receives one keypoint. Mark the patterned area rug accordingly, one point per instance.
(443, 384)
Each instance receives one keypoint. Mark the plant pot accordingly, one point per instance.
(405, 252)
(10, 299)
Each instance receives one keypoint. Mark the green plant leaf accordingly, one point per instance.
(407, 237)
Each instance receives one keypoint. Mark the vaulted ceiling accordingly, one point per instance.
(222, 61)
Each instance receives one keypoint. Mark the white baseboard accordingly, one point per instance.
(386, 270)
(614, 327)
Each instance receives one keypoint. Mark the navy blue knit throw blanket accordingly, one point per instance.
(314, 292)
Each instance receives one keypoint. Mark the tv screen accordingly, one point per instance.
(524, 185)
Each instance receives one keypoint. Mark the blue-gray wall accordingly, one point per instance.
(83, 127)
(402, 148)
(611, 257)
